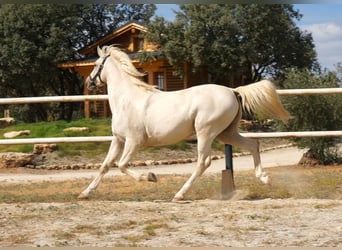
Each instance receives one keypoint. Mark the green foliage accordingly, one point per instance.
(315, 113)
(34, 38)
(231, 39)
(98, 127)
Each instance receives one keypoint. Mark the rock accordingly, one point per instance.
(216, 157)
(13, 134)
(76, 129)
(67, 167)
(52, 167)
(89, 166)
(5, 122)
(309, 160)
(75, 166)
(139, 163)
(14, 160)
(44, 148)
(97, 165)
(149, 162)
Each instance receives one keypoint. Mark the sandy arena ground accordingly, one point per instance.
(200, 223)
(206, 223)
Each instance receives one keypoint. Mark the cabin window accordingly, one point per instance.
(138, 44)
(159, 80)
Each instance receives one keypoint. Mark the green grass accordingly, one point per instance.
(98, 127)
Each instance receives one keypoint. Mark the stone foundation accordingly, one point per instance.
(15, 160)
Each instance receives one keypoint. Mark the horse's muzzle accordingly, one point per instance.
(91, 85)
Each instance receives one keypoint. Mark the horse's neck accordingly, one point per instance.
(123, 94)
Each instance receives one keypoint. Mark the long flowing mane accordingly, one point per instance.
(127, 66)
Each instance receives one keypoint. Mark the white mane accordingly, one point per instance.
(127, 66)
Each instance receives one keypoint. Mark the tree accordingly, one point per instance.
(31, 45)
(34, 38)
(315, 113)
(252, 39)
(98, 20)
(272, 43)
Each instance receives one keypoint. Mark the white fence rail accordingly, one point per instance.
(55, 140)
(80, 98)
(109, 138)
(336, 133)
(309, 91)
(48, 99)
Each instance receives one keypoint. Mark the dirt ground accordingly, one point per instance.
(236, 223)
(205, 223)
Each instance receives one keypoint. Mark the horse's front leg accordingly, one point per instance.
(129, 149)
(114, 150)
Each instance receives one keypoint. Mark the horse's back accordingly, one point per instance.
(186, 102)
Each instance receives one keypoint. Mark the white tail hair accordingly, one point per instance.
(262, 97)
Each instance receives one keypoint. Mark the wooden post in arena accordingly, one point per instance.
(227, 182)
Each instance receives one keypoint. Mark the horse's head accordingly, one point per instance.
(94, 79)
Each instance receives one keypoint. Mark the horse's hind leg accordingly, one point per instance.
(231, 136)
(113, 152)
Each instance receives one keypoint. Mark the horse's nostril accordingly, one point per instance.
(90, 83)
(91, 86)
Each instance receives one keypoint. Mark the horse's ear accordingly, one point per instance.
(99, 51)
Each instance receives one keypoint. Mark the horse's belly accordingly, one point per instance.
(168, 131)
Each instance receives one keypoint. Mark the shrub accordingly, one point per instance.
(315, 113)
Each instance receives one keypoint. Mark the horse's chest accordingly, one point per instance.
(127, 125)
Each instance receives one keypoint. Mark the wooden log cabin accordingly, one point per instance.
(158, 71)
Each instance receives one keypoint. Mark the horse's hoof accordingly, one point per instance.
(266, 179)
(152, 177)
(180, 200)
(83, 197)
(176, 199)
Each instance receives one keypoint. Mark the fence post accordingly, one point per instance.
(7, 113)
(227, 181)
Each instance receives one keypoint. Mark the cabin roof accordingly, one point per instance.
(111, 36)
(90, 60)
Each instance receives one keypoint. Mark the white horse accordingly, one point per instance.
(145, 116)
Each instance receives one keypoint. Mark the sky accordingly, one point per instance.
(323, 21)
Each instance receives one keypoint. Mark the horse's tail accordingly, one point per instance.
(261, 97)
